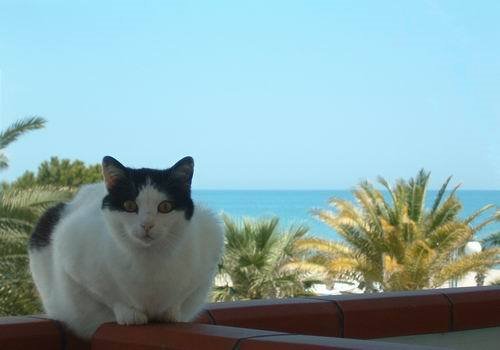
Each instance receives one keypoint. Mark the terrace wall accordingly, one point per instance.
(333, 322)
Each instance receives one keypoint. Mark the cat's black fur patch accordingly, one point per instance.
(166, 181)
(41, 236)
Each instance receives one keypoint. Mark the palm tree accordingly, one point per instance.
(17, 129)
(254, 265)
(396, 243)
(493, 240)
(19, 211)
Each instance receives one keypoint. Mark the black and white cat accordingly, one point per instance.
(132, 249)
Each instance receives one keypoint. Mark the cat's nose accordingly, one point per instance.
(147, 227)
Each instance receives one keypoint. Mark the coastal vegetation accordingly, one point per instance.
(257, 259)
(60, 172)
(392, 242)
(19, 211)
(390, 239)
(13, 132)
(492, 240)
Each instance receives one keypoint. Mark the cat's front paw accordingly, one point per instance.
(128, 316)
(172, 315)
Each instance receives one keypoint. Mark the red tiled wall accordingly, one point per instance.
(393, 314)
(477, 307)
(174, 336)
(367, 316)
(36, 333)
(271, 324)
(300, 315)
(300, 342)
(26, 333)
(211, 337)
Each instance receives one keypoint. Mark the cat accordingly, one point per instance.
(132, 249)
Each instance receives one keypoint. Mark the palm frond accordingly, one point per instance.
(446, 212)
(398, 245)
(4, 161)
(19, 211)
(465, 264)
(259, 260)
(492, 240)
(416, 198)
(20, 127)
(477, 213)
(439, 196)
(477, 228)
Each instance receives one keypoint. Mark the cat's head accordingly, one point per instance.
(146, 206)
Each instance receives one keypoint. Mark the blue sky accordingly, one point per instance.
(263, 94)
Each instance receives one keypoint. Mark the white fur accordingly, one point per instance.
(102, 266)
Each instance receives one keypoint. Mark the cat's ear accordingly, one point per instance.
(113, 171)
(183, 170)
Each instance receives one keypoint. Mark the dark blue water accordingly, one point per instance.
(294, 207)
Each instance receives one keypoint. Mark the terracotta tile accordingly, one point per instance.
(204, 317)
(475, 307)
(26, 333)
(179, 336)
(71, 341)
(394, 314)
(75, 343)
(300, 315)
(298, 342)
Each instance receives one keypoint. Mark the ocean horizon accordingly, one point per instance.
(293, 207)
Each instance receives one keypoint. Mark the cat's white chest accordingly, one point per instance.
(155, 286)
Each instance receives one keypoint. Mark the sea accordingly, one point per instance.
(293, 207)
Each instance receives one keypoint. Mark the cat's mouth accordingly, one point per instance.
(145, 239)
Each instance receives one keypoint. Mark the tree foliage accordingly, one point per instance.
(19, 211)
(492, 240)
(255, 262)
(15, 130)
(394, 242)
(60, 172)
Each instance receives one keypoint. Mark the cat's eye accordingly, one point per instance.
(165, 207)
(130, 206)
